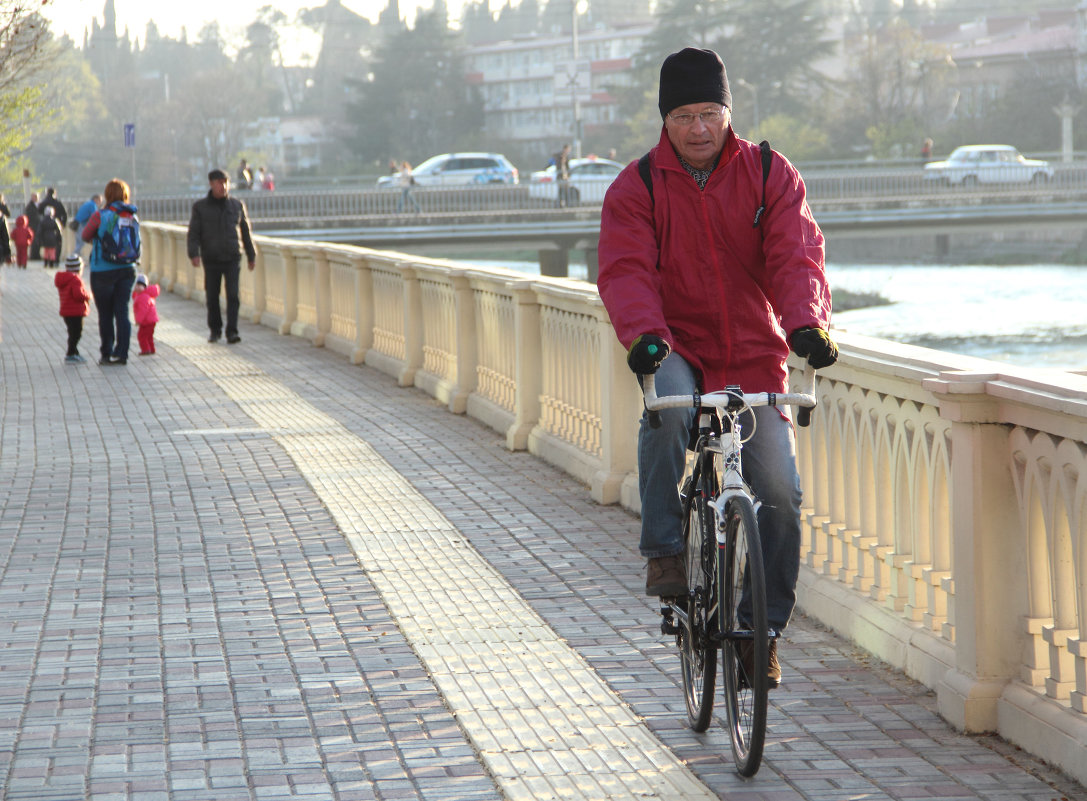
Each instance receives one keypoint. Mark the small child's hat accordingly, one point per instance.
(73, 263)
(141, 279)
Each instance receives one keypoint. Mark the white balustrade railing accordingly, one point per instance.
(945, 510)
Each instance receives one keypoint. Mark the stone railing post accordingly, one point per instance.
(364, 308)
(467, 351)
(528, 365)
(322, 296)
(413, 324)
(988, 556)
(619, 411)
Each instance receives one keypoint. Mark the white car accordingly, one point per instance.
(988, 164)
(458, 169)
(589, 180)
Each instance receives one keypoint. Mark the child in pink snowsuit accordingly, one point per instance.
(143, 308)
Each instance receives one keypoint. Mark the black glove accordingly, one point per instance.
(815, 345)
(646, 353)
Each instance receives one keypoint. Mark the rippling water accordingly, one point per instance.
(1030, 315)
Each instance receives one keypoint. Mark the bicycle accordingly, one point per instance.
(724, 568)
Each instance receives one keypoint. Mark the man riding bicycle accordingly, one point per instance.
(693, 268)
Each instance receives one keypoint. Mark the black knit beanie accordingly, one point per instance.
(693, 76)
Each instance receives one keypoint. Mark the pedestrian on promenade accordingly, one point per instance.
(22, 236)
(218, 235)
(406, 179)
(5, 239)
(53, 202)
(82, 215)
(33, 214)
(113, 272)
(75, 303)
(670, 261)
(146, 313)
(50, 237)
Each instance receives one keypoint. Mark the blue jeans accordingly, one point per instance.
(112, 290)
(215, 274)
(769, 467)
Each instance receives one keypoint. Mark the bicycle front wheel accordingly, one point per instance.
(697, 650)
(745, 643)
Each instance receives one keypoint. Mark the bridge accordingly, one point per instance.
(847, 203)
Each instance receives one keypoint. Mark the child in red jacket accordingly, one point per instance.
(143, 308)
(22, 236)
(74, 304)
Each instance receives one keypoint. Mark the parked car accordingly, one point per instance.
(988, 164)
(458, 169)
(589, 180)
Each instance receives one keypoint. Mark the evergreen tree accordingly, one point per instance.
(416, 102)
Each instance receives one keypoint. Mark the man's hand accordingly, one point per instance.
(646, 353)
(815, 345)
(252, 266)
(195, 261)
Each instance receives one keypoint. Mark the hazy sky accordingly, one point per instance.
(73, 16)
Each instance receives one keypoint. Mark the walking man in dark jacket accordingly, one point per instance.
(218, 233)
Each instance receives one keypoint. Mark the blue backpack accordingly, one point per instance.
(119, 237)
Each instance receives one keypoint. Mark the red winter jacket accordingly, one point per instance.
(689, 267)
(143, 305)
(74, 297)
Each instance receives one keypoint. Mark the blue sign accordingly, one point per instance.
(130, 134)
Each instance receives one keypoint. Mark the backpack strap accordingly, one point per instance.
(767, 158)
(647, 176)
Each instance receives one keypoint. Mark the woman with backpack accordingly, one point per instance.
(114, 234)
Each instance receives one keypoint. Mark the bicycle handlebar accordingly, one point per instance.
(721, 399)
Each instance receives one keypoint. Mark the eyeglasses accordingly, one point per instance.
(708, 117)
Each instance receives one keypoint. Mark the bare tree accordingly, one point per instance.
(24, 35)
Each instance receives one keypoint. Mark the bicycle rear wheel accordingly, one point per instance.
(745, 689)
(697, 651)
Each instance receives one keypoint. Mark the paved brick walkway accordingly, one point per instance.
(259, 572)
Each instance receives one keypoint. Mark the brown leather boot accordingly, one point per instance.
(666, 576)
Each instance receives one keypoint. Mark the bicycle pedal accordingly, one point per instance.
(668, 624)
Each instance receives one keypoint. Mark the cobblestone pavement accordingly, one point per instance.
(256, 571)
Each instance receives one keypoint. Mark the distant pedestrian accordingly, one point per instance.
(49, 237)
(926, 151)
(146, 313)
(218, 234)
(258, 178)
(112, 280)
(75, 303)
(561, 160)
(406, 180)
(82, 216)
(23, 237)
(245, 175)
(33, 214)
(53, 202)
(4, 206)
(269, 181)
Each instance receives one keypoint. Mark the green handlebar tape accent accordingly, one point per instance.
(652, 350)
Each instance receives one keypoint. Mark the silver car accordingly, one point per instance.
(589, 181)
(988, 164)
(458, 169)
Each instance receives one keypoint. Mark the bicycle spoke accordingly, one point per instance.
(698, 654)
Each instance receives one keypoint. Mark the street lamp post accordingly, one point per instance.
(577, 101)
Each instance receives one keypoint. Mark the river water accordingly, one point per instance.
(1029, 315)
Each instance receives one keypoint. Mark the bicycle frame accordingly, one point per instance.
(706, 621)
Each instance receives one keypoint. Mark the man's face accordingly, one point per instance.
(219, 187)
(698, 142)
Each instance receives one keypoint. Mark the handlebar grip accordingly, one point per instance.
(803, 416)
